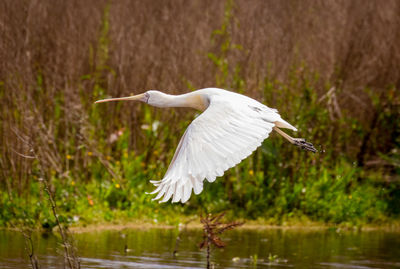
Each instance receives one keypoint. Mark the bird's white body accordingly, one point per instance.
(228, 131)
(231, 127)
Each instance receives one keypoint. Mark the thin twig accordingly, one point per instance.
(178, 238)
(23, 155)
(61, 229)
(29, 247)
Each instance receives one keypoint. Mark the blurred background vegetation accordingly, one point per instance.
(332, 68)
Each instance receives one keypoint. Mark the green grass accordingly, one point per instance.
(323, 192)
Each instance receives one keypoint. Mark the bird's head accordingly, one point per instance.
(154, 98)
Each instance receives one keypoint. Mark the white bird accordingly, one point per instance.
(231, 127)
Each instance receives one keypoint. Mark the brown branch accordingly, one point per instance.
(212, 227)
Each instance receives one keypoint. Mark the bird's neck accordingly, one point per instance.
(192, 100)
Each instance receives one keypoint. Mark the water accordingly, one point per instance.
(153, 248)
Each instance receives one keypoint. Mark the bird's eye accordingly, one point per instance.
(147, 97)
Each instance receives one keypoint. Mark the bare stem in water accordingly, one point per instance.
(29, 247)
(212, 228)
(70, 256)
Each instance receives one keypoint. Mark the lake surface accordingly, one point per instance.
(263, 248)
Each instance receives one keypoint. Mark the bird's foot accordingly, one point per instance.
(303, 144)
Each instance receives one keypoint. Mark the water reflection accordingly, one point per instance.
(153, 248)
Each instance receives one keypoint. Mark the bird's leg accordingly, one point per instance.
(300, 142)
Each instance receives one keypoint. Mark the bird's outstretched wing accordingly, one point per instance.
(222, 136)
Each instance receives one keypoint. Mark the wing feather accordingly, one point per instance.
(227, 132)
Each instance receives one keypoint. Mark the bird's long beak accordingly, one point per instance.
(143, 97)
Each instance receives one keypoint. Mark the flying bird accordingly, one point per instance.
(230, 128)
